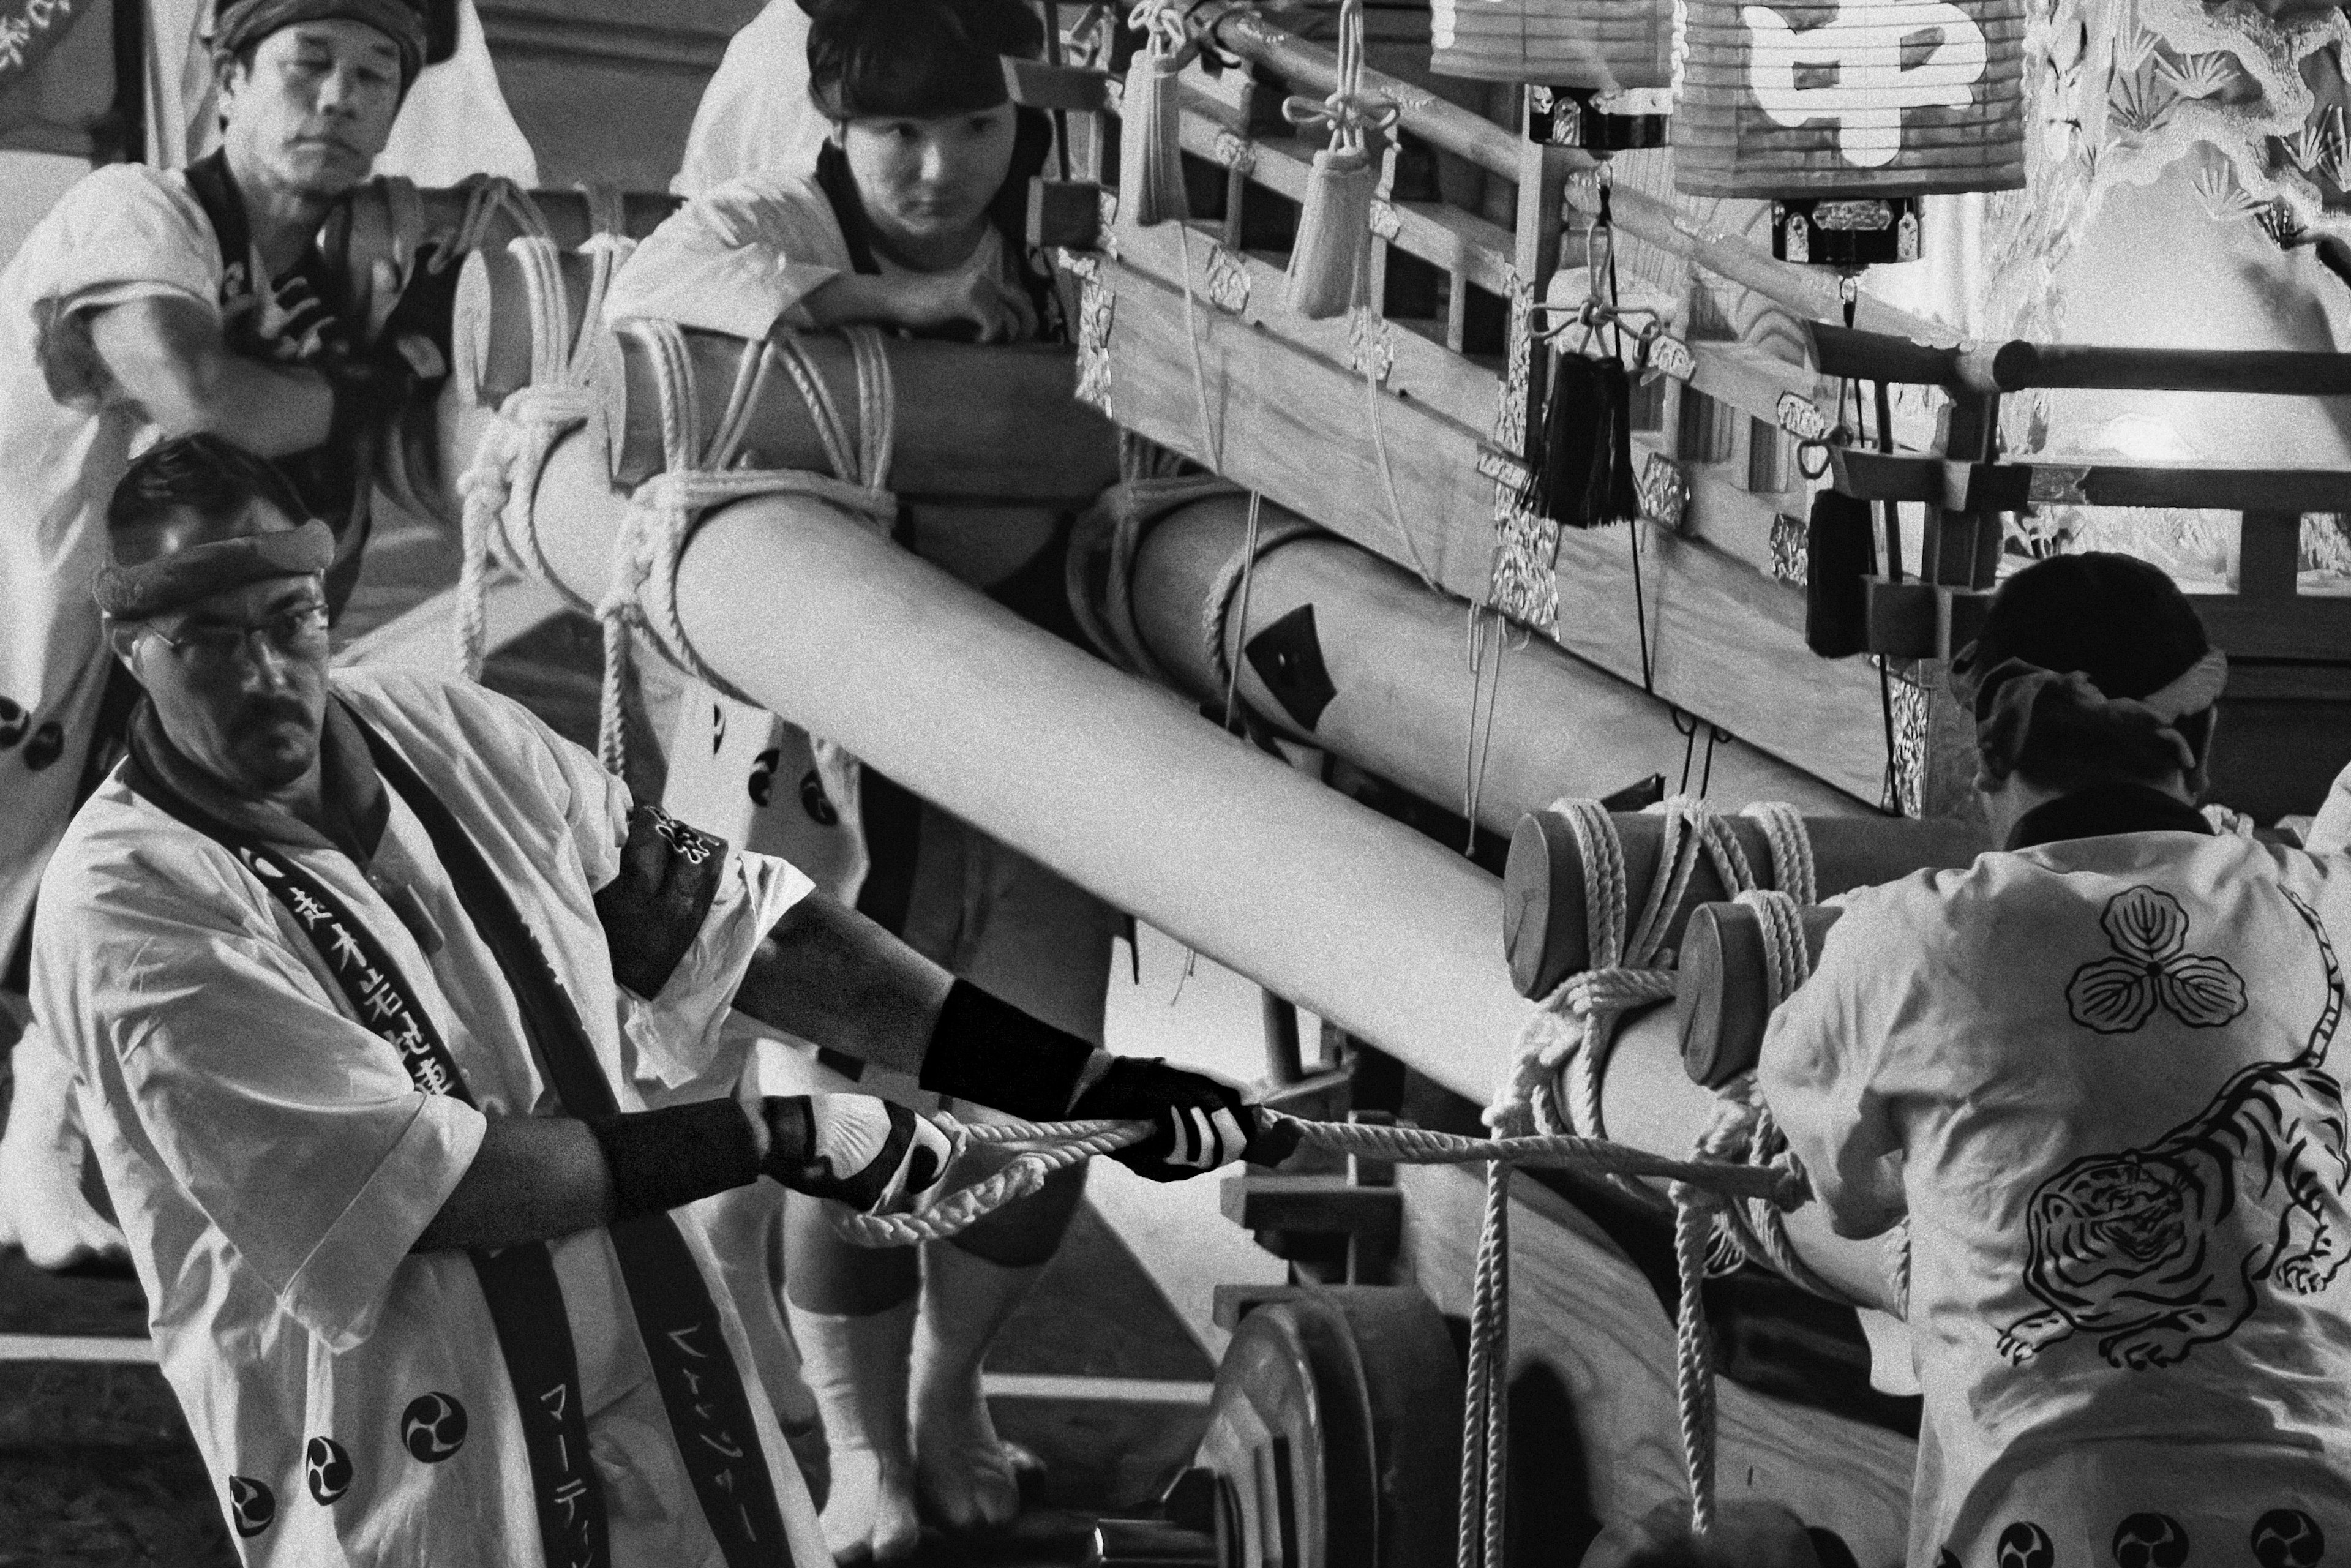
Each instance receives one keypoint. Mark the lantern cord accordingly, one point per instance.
(1641, 614)
(1892, 803)
(1053, 56)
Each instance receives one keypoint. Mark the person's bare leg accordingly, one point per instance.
(42, 1148)
(965, 1474)
(745, 1230)
(852, 1310)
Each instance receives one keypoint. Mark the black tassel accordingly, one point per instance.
(1840, 550)
(1616, 496)
(1581, 476)
(1570, 446)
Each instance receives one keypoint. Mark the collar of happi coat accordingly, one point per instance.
(2104, 809)
(356, 805)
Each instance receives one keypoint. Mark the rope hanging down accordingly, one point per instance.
(642, 592)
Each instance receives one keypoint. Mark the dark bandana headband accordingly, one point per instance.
(199, 572)
(239, 23)
(2041, 720)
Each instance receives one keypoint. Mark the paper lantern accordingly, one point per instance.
(1847, 111)
(1593, 46)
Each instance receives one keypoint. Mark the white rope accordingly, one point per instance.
(498, 491)
(489, 198)
(663, 512)
(1052, 1146)
(1792, 849)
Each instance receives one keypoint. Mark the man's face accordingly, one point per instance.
(924, 179)
(239, 681)
(313, 109)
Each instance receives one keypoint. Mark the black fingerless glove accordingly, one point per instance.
(661, 1160)
(1189, 1136)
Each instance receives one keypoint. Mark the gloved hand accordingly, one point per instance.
(1200, 1119)
(876, 1157)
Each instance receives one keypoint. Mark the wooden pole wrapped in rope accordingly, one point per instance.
(1549, 930)
(695, 476)
(1151, 148)
(1327, 260)
(497, 489)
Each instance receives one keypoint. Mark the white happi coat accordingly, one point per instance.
(756, 113)
(272, 1163)
(125, 232)
(2095, 1076)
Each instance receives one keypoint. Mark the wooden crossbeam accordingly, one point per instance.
(2015, 366)
(2018, 487)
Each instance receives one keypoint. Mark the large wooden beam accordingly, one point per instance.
(1369, 665)
(1108, 780)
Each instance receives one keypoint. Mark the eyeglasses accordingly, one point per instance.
(300, 632)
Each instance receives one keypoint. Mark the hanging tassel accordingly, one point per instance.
(1334, 231)
(1151, 148)
(1615, 494)
(1840, 552)
(1334, 224)
(1558, 480)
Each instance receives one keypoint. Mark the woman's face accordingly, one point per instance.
(929, 180)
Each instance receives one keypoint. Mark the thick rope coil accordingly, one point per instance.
(1792, 849)
(641, 592)
(489, 198)
(1743, 1128)
(1562, 1059)
(498, 490)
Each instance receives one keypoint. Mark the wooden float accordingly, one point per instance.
(1403, 433)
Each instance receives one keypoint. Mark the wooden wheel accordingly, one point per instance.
(1334, 1436)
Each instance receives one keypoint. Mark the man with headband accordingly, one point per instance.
(152, 302)
(2092, 1074)
(376, 989)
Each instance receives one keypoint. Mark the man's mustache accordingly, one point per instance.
(270, 712)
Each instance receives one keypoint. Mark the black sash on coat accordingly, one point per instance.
(701, 1388)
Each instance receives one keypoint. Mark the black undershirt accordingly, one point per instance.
(2100, 810)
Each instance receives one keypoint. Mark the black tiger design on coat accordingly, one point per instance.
(2133, 1245)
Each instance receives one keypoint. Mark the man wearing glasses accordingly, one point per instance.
(377, 991)
(152, 301)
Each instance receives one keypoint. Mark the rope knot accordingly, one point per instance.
(1161, 22)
